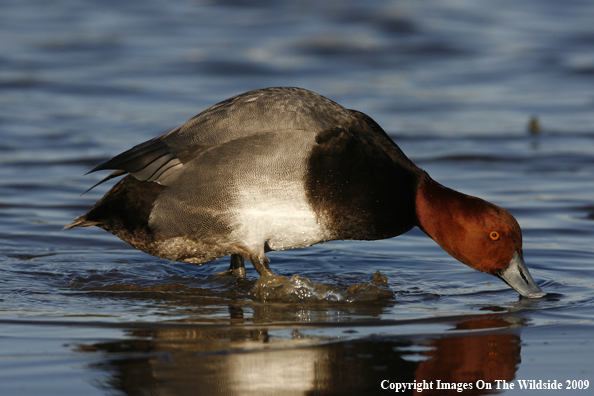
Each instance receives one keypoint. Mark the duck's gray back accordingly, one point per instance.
(259, 111)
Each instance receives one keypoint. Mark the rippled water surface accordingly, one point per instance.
(455, 83)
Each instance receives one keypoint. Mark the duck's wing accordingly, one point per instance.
(163, 158)
(151, 161)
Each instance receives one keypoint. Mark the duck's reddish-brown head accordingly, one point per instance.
(479, 234)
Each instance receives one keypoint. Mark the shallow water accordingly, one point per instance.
(454, 83)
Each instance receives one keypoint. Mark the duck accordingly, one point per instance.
(284, 168)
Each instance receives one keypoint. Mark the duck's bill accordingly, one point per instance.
(516, 275)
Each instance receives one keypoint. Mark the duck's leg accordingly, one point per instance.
(260, 263)
(237, 267)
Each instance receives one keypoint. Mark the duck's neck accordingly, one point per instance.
(440, 214)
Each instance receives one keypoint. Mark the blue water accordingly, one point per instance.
(454, 83)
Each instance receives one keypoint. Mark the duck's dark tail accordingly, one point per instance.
(80, 221)
(124, 211)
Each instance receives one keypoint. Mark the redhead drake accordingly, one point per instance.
(284, 168)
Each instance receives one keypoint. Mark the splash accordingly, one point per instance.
(300, 289)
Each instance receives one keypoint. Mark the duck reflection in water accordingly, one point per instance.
(261, 360)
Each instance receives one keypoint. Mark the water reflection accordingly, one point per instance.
(308, 360)
(470, 358)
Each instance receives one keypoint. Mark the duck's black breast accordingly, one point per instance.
(360, 181)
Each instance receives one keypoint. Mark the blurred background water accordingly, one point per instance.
(494, 99)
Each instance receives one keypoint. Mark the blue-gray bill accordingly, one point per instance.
(516, 275)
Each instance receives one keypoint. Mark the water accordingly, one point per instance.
(454, 83)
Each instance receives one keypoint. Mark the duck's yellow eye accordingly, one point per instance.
(494, 235)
